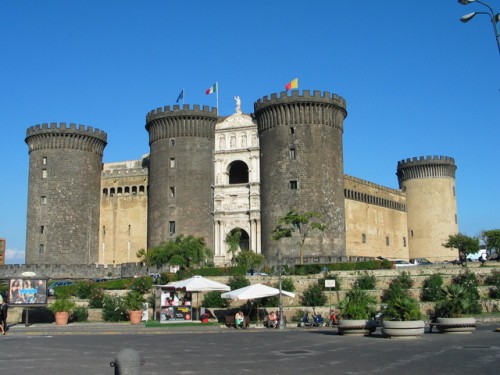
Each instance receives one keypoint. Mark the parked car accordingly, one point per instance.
(420, 261)
(54, 285)
(401, 263)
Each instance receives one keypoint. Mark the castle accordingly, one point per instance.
(207, 176)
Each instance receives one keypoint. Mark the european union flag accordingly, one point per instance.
(180, 97)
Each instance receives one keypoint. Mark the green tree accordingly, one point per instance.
(492, 240)
(249, 259)
(302, 222)
(184, 251)
(464, 244)
(233, 242)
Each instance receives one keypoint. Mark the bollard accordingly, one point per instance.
(127, 362)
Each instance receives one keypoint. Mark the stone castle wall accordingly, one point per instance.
(302, 168)
(63, 193)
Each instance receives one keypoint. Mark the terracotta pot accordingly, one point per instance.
(400, 329)
(456, 325)
(135, 316)
(62, 318)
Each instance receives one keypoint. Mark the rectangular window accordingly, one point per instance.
(171, 227)
(41, 248)
(44, 160)
(172, 143)
(103, 231)
(129, 230)
(292, 130)
(292, 154)
(43, 199)
(172, 162)
(293, 185)
(363, 238)
(42, 229)
(172, 191)
(404, 241)
(387, 242)
(44, 173)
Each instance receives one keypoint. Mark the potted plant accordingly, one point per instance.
(450, 309)
(134, 301)
(357, 310)
(401, 314)
(62, 308)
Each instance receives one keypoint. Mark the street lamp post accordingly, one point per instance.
(494, 17)
(281, 323)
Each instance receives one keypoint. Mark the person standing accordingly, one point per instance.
(3, 315)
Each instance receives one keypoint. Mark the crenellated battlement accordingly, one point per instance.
(429, 159)
(177, 110)
(426, 167)
(62, 127)
(296, 96)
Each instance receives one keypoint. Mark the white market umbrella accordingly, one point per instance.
(196, 284)
(255, 291)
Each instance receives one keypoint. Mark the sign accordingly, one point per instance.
(329, 283)
(175, 313)
(30, 291)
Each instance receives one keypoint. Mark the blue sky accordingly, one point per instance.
(416, 80)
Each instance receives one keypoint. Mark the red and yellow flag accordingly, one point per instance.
(293, 84)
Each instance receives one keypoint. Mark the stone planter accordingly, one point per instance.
(62, 318)
(135, 316)
(351, 327)
(400, 329)
(456, 325)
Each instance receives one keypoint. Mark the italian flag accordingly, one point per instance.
(212, 89)
(293, 84)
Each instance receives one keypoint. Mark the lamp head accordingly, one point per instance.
(465, 2)
(467, 17)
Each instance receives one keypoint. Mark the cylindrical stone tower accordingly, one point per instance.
(302, 168)
(181, 168)
(63, 193)
(429, 185)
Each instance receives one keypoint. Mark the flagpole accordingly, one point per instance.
(183, 95)
(217, 96)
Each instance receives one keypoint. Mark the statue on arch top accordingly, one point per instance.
(238, 105)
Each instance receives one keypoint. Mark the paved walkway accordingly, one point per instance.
(102, 328)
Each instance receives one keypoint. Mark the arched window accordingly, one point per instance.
(127, 189)
(238, 172)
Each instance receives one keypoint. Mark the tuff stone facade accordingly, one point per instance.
(208, 176)
(124, 207)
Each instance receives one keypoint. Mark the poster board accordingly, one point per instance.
(25, 291)
(175, 306)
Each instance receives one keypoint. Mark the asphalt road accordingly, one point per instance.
(252, 351)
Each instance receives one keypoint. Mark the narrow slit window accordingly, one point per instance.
(172, 162)
(171, 227)
(293, 185)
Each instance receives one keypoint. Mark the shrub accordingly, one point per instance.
(455, 303)
(80, 314)
(493, 281)
(113, 309)
(134, 300)
(313, 296)
(141, 284)
(432, 289)
(398, 285)
(357, 304)
(366, 281)
(399, 304)
(62, 304)
(65, 291)
(469, 283)
(96, 298)
(213, 299)
(85, 289)
(237, 282)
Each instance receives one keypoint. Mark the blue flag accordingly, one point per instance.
(181, 96)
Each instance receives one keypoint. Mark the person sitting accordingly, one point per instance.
(239, 320)
(272, 320)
